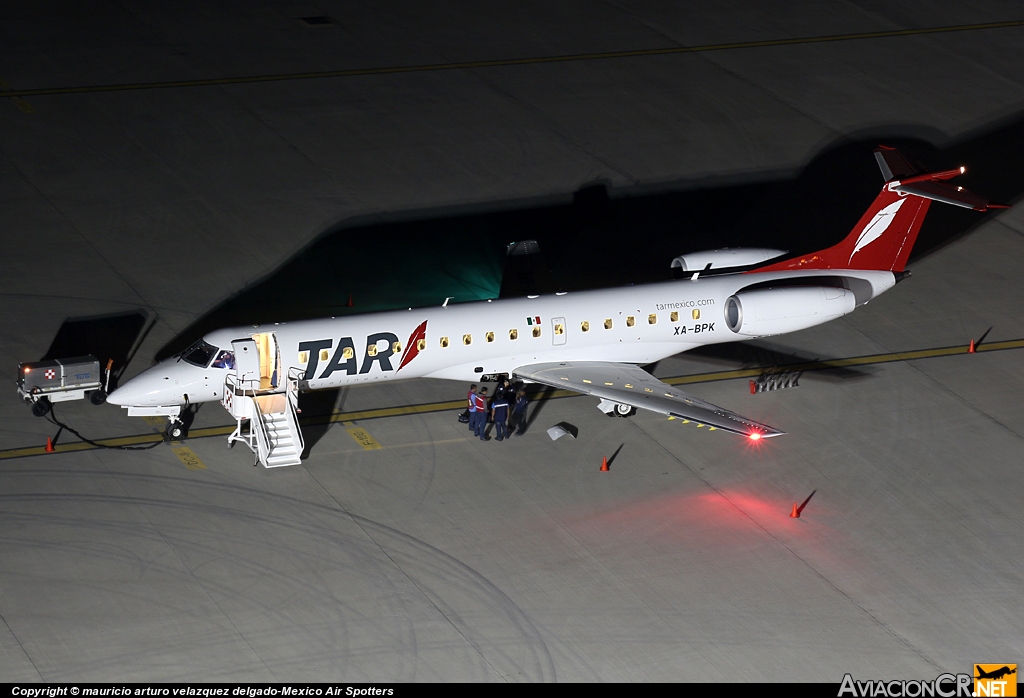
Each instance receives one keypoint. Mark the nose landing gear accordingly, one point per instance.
(178, 425)
(175, 430)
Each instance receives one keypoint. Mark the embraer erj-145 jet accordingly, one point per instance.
(592, 342)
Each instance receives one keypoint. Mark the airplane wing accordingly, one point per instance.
(631, 385)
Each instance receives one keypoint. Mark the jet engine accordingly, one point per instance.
(726, 258)
(779, 310)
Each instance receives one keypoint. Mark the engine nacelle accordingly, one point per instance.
(725, 258)
(779, 310)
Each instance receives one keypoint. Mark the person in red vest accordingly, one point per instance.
(479, 417)
(467, 416)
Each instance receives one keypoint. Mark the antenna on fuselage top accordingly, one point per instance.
(445, 304)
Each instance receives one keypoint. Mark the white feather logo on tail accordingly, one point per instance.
(878, 225)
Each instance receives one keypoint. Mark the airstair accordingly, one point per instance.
(266, 417)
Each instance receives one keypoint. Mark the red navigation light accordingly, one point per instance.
(755, 436)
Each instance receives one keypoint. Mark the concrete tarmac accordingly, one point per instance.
(437, 557)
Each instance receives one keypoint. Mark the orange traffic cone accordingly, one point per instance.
(971, 349)
(49, 444)
(795, 514)
(604, 464)
(350, 303)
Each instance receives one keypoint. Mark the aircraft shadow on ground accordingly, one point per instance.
(599, 238)
(114, 337)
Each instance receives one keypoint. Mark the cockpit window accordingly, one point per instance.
(199, 354)
(226, 359)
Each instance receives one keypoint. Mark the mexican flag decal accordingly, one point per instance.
(533, 320)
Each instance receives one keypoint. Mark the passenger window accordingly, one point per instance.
(421, 344)
(536, 331)
(696, 313)
(513, 334)
(371, 349)
(652, 319)
(559, 328)
(674, 317)
(607, 323)
(489, 336)
(396, 347)
(303, 357)
(349, 352)
(444, 341)
(467, 339)
(585, 326)
(630, 321)
(324, 355)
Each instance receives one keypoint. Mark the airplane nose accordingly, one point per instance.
(117, 397)
(134, 392)
(151, 387)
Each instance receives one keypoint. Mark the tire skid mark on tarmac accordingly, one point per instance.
(437, 572)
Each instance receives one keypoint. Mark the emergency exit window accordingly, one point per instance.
(630, 321)
(607, 323)
(559, 328)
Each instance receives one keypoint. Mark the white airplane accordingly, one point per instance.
(592, 342)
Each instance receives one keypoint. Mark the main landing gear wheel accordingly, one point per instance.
(624, 410)
(40, 407)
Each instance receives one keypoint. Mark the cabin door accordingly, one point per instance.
(266, 347)
(247, 363)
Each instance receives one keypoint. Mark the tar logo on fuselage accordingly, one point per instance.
(347, 361)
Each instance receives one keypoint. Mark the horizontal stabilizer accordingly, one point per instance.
(947, 194)
(905, 178)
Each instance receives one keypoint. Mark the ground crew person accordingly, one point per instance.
(479, 417)
(517, 422)
(499, 410)
(470, 407)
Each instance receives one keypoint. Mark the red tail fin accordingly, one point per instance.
(885, 234)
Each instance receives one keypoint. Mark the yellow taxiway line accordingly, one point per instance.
(531, 60)
(369, 443)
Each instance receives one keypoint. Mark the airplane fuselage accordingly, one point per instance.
(632, 325)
